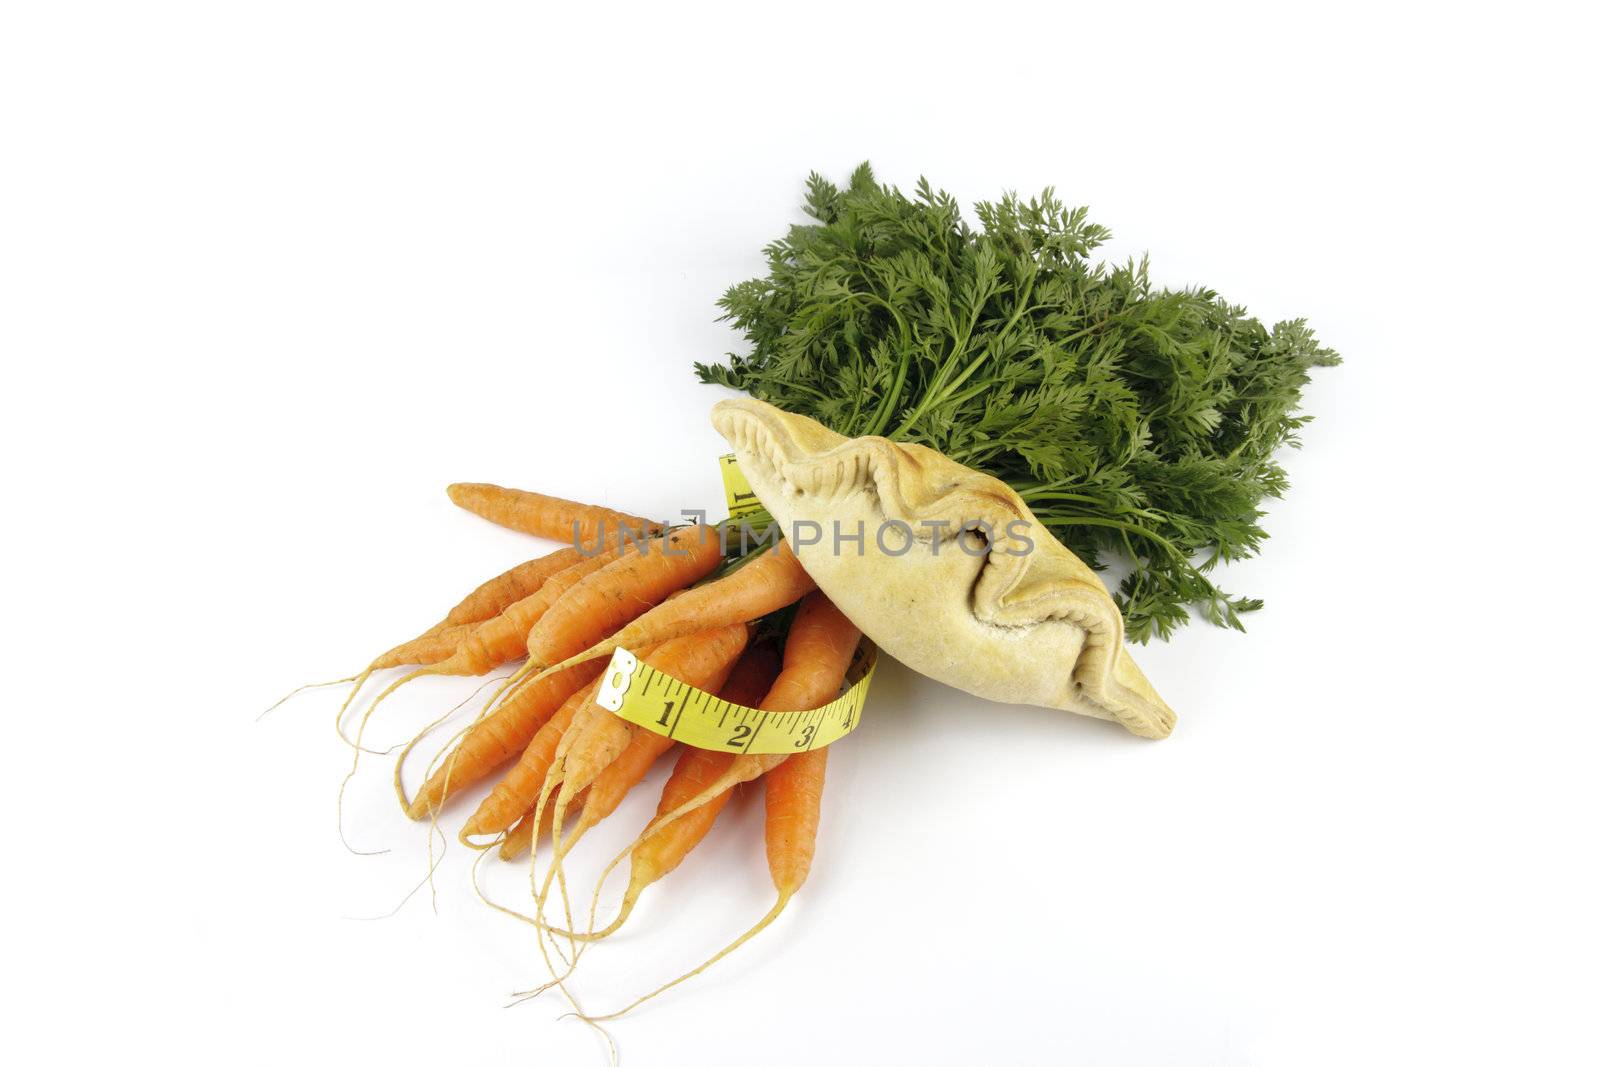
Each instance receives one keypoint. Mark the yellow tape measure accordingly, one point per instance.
(659, 702)
(741, 498)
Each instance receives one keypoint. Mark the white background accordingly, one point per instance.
(271, 275)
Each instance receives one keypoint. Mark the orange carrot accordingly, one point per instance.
(498, 737)
(658, 855)
(516, 793)
(747, 683)
(702, 660)
(621, 591)
(816, 655)
(752, 676)
(772, 581)
(508, 729)
(435, 646)
(598, 739)
(487, 601)
(508, 587)
(503, 637)
(794, 809)
(531, 512)
(545, 516)
(519, 838)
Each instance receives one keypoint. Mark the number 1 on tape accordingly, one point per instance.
(659, 702)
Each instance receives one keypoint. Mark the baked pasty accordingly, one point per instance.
(943, 567)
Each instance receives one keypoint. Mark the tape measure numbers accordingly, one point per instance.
(661, 703)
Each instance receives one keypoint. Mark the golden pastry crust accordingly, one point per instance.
(1023, 627)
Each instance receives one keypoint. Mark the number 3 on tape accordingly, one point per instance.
(659, 702)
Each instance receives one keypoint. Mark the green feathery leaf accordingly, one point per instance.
(1138, 423)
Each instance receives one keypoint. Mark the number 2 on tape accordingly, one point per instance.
(661, 703)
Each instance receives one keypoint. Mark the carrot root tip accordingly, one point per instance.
(766, 920)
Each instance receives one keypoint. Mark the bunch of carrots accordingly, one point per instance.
(672, 597)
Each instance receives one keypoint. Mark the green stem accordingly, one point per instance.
(880, 417)
(1114, 524)
(932, 392)
(1030, 496)
(938, 394)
